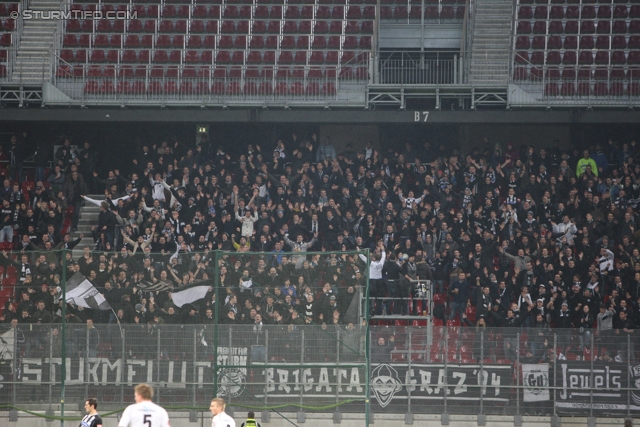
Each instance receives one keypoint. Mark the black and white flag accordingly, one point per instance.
(191, 292)
(159, 286)
(82, 293)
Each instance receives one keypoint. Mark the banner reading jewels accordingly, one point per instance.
(602, 390)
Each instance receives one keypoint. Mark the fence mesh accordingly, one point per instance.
(313, 350)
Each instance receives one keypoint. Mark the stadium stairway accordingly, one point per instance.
(491, 42)
(33, 58)
(88, 218)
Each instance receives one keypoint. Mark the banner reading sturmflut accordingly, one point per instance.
(82, 293)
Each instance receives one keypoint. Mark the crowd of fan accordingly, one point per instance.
(534, 237)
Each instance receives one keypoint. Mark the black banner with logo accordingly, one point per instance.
(423, 382)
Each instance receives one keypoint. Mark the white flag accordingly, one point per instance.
(535, 378)
(190, 293)
(7, 345)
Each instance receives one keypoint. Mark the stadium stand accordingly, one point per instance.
(233, 48)
(7, 34)
(578, 49)
(504, 234)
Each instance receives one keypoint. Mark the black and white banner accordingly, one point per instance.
(602, 389)
(535, 378)
(424, 382)
(390, 383)
(393, 383)
(82, 293)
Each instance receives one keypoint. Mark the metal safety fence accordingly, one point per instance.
(420, 68)
(264, 330)
(529, 369)
(250, 366)
(572, 85)
(456, 370)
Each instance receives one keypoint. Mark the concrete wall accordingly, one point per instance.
(181, 419)
(358, 135)
(538, 136)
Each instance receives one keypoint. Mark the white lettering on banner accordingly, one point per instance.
(460, 387)
(323, 382)
(80, 378)
(442, 382)
(388, 382)
(296, 380)
(283, 378)
(409, 381)
(149, 371)
(354, 381)
(575, 381)
(53, 362)
(232, 356)
(92, 369)
(27, 370)
(425, 380)
(268, 379)
(108, 366)
(130, 371)
(307, 379)
(495, 381)
(201, 366)
(482, 379)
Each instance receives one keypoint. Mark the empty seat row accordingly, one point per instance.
(583, 57)
(206, 72)
(571, 42)
(573, 27)
(158, 71)
(431, 12)
(575, 12)
(227, 27)
(231, 12)
(210, 42)
(581, 73)
(217, 88)
(573, 2)
(206, 56)
(587, 89)
(248, 2)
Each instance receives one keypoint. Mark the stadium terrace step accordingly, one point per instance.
(88, 218)
(491, 42)
(37, 38)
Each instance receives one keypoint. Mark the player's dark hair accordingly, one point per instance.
(92, 401)
(251, 415)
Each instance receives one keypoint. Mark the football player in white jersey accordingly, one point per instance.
(144, 413)
(220, 418)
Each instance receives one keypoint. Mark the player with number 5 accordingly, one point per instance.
(220, 418)
(144, 413)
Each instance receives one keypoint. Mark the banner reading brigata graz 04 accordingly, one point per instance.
(575, 381)
(392, 383)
